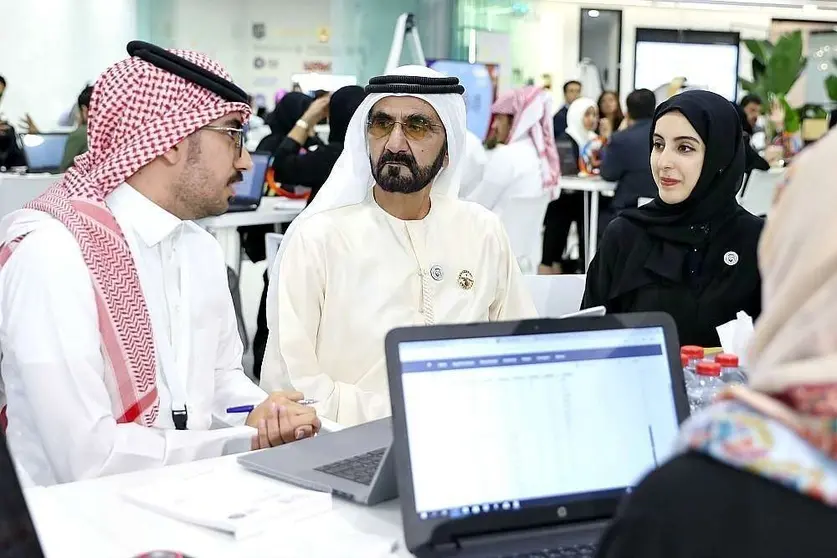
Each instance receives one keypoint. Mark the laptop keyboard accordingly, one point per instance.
(580, 550)
(360, 468)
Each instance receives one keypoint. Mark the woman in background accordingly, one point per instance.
(691, 252)
(610, 114)
(757, 471)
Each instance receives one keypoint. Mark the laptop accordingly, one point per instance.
(354, 463)
(248, 192)
(44, 151)
(567, 157)
(520, 438)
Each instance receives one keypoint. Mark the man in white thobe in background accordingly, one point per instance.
(522, 158)
(120, 349)
(386, 243)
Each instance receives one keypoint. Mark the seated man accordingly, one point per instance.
(386, 243)
(119, 343)
(77, 140)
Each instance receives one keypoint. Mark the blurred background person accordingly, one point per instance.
(77, 140)
(610, 114)
(572, 91)
(625, 158)
(10, 153)
(522, 158)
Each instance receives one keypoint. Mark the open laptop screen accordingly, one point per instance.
(499, 423)
(44, 151)
(250, 189)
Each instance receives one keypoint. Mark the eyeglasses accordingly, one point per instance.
(236, 134)
(414, 127)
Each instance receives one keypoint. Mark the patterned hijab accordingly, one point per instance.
(138, 112)
(784, 427)
(531, 111)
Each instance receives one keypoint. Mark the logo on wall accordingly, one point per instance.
(259, 30)
(258, 62)
(316, 66)
(323, 34)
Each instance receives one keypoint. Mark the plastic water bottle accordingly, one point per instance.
(690, 355)
(730, 371)
(708, 384)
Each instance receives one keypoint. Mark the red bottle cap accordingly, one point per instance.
(727, 360)
(692, 351)
(684, 360)
(707, 368)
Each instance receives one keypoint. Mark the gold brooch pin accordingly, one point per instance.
(466, 279)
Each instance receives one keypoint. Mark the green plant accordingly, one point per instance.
(831, 85)
(776, 67)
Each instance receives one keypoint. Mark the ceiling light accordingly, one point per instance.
(593, 13)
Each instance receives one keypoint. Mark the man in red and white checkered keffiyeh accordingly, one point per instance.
(145, 117)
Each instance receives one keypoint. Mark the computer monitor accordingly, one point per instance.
(479, 91)
(44, 151)
(573, 416)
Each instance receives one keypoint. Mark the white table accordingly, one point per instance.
(16, 190)
(67, 515)
(592, 188)
(271, 211)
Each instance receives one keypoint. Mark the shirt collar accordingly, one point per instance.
(150, 221)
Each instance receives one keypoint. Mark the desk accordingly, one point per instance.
(123, 529)
(271, 211)
(592, 188)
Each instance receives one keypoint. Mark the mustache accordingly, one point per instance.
(236, 178)
(399, 158)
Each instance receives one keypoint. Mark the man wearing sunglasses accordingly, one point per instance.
(386, 243)
(120, 349)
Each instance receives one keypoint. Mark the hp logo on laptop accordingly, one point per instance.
(562, 512)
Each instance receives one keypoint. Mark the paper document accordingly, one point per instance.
(237, 502)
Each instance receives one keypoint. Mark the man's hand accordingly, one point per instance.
(28, 125)
(279, 420)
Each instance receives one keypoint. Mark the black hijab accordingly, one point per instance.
(712, 202)
(341, 107)
(745, 122)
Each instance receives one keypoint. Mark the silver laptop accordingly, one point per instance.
(354, 463)
(519, 439)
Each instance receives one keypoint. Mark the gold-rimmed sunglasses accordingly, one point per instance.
(415, 127)
(236, 134)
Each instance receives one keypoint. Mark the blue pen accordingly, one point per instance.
(248, 408)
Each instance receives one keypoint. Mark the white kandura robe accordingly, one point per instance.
(61, 422)
(352, 274)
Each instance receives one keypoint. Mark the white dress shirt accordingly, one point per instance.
(350, 275)
(512, 170)
(61, 423)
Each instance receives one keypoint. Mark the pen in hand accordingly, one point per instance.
(249, 408)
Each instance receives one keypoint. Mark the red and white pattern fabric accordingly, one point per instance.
(531, 111)
(137, 113)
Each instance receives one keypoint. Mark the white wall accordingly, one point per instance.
(50, 49)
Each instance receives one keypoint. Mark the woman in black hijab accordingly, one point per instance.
(312, 169)
(283, 118)
(691, 252)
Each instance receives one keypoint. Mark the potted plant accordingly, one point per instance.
(776, 67)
